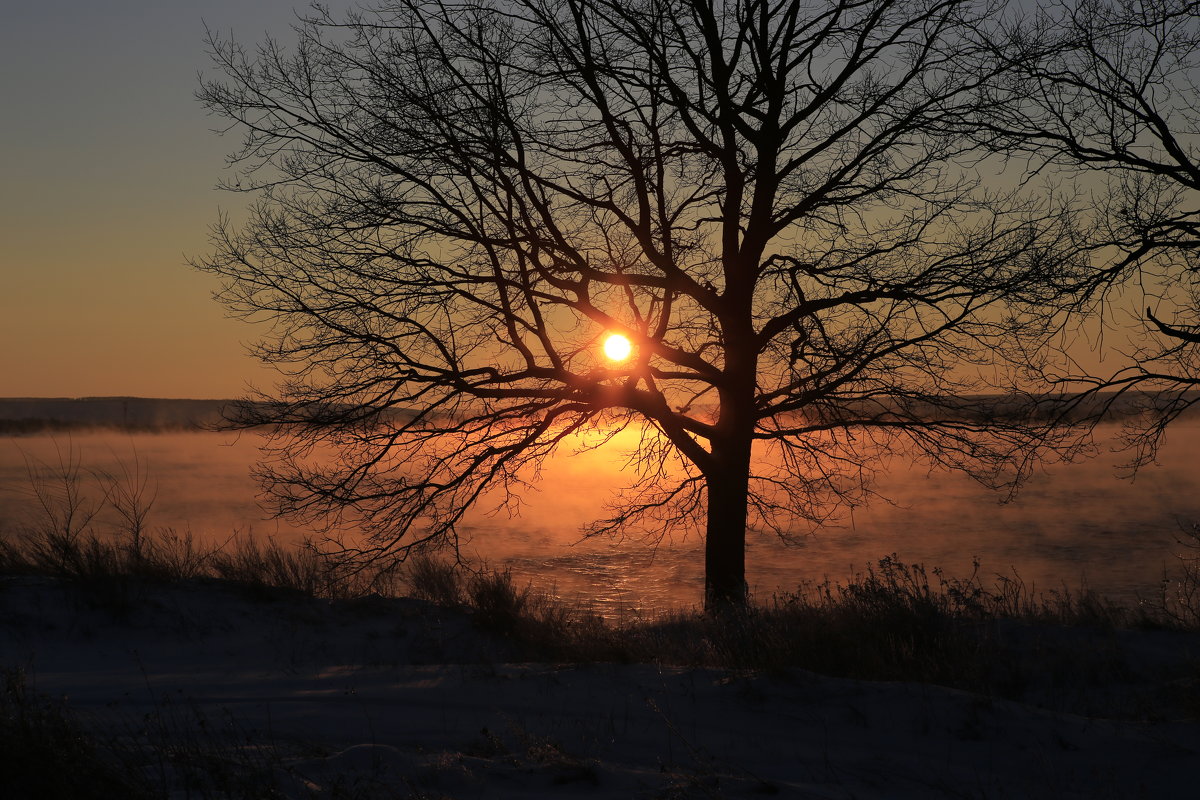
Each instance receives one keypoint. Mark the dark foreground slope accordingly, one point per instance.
(208, 688)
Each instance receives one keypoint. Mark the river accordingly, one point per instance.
(1072, 524)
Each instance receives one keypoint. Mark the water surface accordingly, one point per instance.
(1071, 524)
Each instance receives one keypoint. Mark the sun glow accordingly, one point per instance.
(617, 347)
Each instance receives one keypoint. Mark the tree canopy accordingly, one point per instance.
(1107, 93)
(773, 201)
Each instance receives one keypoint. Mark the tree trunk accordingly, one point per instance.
(728, 491)
(728, 474)
(725, 538)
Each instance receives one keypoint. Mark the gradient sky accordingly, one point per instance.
(107, 187)
(109, 165)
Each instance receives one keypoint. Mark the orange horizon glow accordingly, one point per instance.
(617, 347)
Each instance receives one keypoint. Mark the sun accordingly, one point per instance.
(617, 347)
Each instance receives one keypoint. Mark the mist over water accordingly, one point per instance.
(1071, 524)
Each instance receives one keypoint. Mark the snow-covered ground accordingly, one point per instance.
(398, 698)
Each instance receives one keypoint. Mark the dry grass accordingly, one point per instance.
(1178, 600)
(113, 560)
(44, 754)
(894, 621)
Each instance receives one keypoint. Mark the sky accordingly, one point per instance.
(107, 186)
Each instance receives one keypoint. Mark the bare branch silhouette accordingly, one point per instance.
(1107, 93)
(1175, 333)
(772, 201)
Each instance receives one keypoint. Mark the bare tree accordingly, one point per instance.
(1108, 91)
(772, 201)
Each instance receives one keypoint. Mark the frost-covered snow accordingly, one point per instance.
(398, 698)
